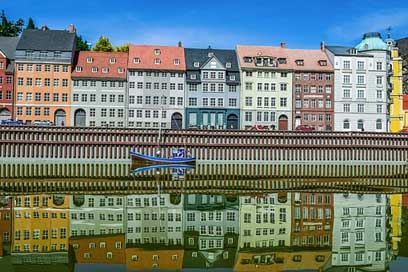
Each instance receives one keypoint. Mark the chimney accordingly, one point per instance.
(71, 28)
(180, 44)
(322, 46)
(283, 45)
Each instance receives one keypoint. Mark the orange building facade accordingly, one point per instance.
(43, 76)
(101, 249)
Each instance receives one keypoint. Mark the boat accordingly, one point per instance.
(162, 166)
(179, 157)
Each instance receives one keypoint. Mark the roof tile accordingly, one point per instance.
(146, 54)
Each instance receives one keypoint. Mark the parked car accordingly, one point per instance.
(42, 123)
(404, 130)
(11, 122)
(305, 128)
(259, 127)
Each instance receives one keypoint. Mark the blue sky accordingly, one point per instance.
(221, 24)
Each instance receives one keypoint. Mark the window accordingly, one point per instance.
(360, 94)
(346, 107)
(360, 124)
(346, 65)
(378, 124)
(379, 80)
(360, 79)
(379, 66)
(360, 107)
(283, 102)
(136, 60)
(248, 101)
(346, 79)
(283, 87)
(360, 65)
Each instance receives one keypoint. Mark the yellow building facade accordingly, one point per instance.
(40, 224)
(396, 110)
(396, 212)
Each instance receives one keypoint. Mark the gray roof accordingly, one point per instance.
(48, 40)
(201, 55)
(8, 46)
(345, 51)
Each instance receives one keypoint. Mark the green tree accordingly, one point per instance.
(405, 73)
(30, 24)
(10, 28)
(103, 45)
(122, 48)
(81, 43)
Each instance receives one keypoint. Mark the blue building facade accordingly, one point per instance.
(213, 89)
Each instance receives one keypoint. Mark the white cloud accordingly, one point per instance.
(379, 21)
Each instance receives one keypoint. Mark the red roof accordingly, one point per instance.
(91, 64)
(309, 59)
(405, 102)
(156, 57)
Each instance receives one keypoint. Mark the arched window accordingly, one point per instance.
(378, 124)
(360, 124)
(346, 124)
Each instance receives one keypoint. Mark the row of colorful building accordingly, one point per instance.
(273, 232)
(44, 77)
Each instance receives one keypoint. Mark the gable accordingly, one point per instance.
(213, 64)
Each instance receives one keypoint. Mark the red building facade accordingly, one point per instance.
(7, 50)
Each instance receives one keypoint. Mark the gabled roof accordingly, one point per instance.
(114, 61)
(345, 51)
(48, 40)
(309, 58)
(8, 46)
(146, 54)
(202, 56)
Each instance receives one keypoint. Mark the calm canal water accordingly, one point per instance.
(98, 216)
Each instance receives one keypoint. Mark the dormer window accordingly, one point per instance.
(323, 62)
(258, 61)
(193, 76)
(176, 61)
(247, 59)
(57, 54)
(94, 69)
(228, 65)
(300, 62)
(29, 53)
(282, 60)
(78, 69)
(121, 70)
(43, 54)
(157, 52)
(112, 60)
(157, 61)
(196, 64)
(353, 51)
(89, 59)
(210, 54)
(136, 60)
(105, 70)
(232, 77)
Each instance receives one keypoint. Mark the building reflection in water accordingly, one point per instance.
(269, 232)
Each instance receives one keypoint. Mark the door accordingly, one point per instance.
(283, 122)
(5, 114)
(232, 121)
(60, 118)
(80, 118)
(176, 121)
(298, 121)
